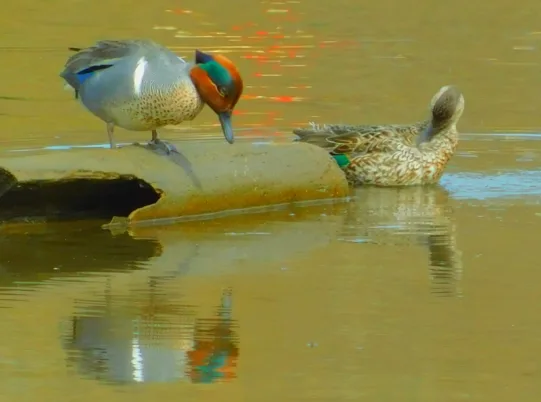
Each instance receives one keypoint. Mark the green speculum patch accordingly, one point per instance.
(342, 160)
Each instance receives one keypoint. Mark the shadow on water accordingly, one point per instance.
(31, 253)
(151, 339)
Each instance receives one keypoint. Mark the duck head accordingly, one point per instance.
(447, 105)
(446, 108)
(220, 86)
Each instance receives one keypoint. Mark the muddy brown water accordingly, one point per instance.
(424, 294)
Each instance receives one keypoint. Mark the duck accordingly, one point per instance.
(140, 85)
(394, 155)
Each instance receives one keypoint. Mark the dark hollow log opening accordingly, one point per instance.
(76, 199)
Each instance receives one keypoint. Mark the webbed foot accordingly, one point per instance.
(164, 146)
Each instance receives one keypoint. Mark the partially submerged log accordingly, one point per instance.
(136, 184)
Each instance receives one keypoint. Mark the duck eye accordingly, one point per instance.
(222, 91)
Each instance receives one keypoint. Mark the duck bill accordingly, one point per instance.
(227, 127)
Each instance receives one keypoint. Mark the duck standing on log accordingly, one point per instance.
(140, 85)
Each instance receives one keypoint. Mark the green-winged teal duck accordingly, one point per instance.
(394, 155)
(140, 85)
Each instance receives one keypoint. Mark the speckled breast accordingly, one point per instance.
(155, 109)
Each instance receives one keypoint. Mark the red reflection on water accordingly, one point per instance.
(284, 99)
(280, 47)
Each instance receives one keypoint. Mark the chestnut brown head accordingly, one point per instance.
(220, 86)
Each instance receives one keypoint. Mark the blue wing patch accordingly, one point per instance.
(85, 74)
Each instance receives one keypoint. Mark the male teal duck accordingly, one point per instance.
(140, 85)
(394, 155)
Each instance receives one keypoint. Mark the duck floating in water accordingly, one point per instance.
(140, 85)
(394, 155)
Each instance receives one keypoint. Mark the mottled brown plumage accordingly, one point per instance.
(394, 155)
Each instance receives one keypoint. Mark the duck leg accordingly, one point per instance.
(110, 132)
(163, 145)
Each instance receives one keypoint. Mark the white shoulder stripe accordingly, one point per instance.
(138, 74)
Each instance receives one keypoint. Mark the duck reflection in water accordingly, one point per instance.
(410, 217)
(153, 340)
(214, 355)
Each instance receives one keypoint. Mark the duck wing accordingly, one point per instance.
(105, 54)
(349, 139)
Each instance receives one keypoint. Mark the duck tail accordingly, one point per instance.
(319, 135)
(314, 134)
(71, 82)
(68, 87)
